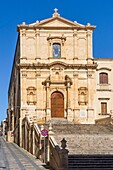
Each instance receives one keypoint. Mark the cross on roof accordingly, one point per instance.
(56, 13)
(56, 10)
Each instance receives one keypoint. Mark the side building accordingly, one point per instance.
(54, 75)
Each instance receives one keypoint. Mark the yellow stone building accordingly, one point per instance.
(54, 75)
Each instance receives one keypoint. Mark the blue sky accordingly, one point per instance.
(12, 13)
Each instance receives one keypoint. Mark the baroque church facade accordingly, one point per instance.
(54, 75)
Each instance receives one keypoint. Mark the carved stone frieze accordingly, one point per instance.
(38, 73)
(56, 37)
(24, 74)
(59, 69)
(89, 75)
(48, 66)
(75, 74)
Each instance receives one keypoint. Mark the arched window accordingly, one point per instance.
(103, 78)
(56, 50)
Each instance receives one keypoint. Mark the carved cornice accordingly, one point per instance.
(48, 81)
(39, 26)
(56, 37)
(104, 68)
(61, 38)
(103, 98)
(48, 66)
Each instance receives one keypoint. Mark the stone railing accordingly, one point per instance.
(31, 136)
(105, 120)
(58, 155)
(26, 133)
(111, 115)
(44, 148)
(37, 141)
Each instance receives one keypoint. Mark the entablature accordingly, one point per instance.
(49, 65)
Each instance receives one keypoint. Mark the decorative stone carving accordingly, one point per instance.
(82, 96)
(53, 39)
(65, 65)
(24, 74)
(63, 143)
(68, 81)
(31, 95)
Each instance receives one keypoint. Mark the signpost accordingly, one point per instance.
(44, 132)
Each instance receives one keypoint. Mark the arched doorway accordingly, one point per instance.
(57, 104)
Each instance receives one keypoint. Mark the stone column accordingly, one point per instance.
(23, 46)
(20, 130)
(38, 93)
(90, 90)
(90, 98)
(23, 88)
(47, 102)
(89, 46)
(12, 120)
(75, 100)
(50, 48)
(37, 34)
(68, 101)
(9, 120)
(75, 44)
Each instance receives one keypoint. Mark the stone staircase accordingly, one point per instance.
(90, 146)
(90, 162)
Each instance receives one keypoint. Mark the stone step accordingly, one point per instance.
(64, 128)
(87, 144)
(97, 162)
(72, 161)
(83, 129)
(85, 139)
(90, 168)
(93, 156)
(59, 121)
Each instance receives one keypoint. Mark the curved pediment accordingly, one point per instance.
(57, 63)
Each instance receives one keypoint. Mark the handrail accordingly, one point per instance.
(54, 151)
(58, 155)
(37, 129)
(34, 142)
(54, 143)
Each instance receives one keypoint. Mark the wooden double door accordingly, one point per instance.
(57, 105)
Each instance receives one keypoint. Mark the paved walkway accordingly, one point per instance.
(15, 158)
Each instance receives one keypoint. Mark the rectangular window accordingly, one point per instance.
(103, 78)
(104, 108)
(56, 50)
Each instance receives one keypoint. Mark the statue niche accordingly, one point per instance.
(82, 96)
(31, 95)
